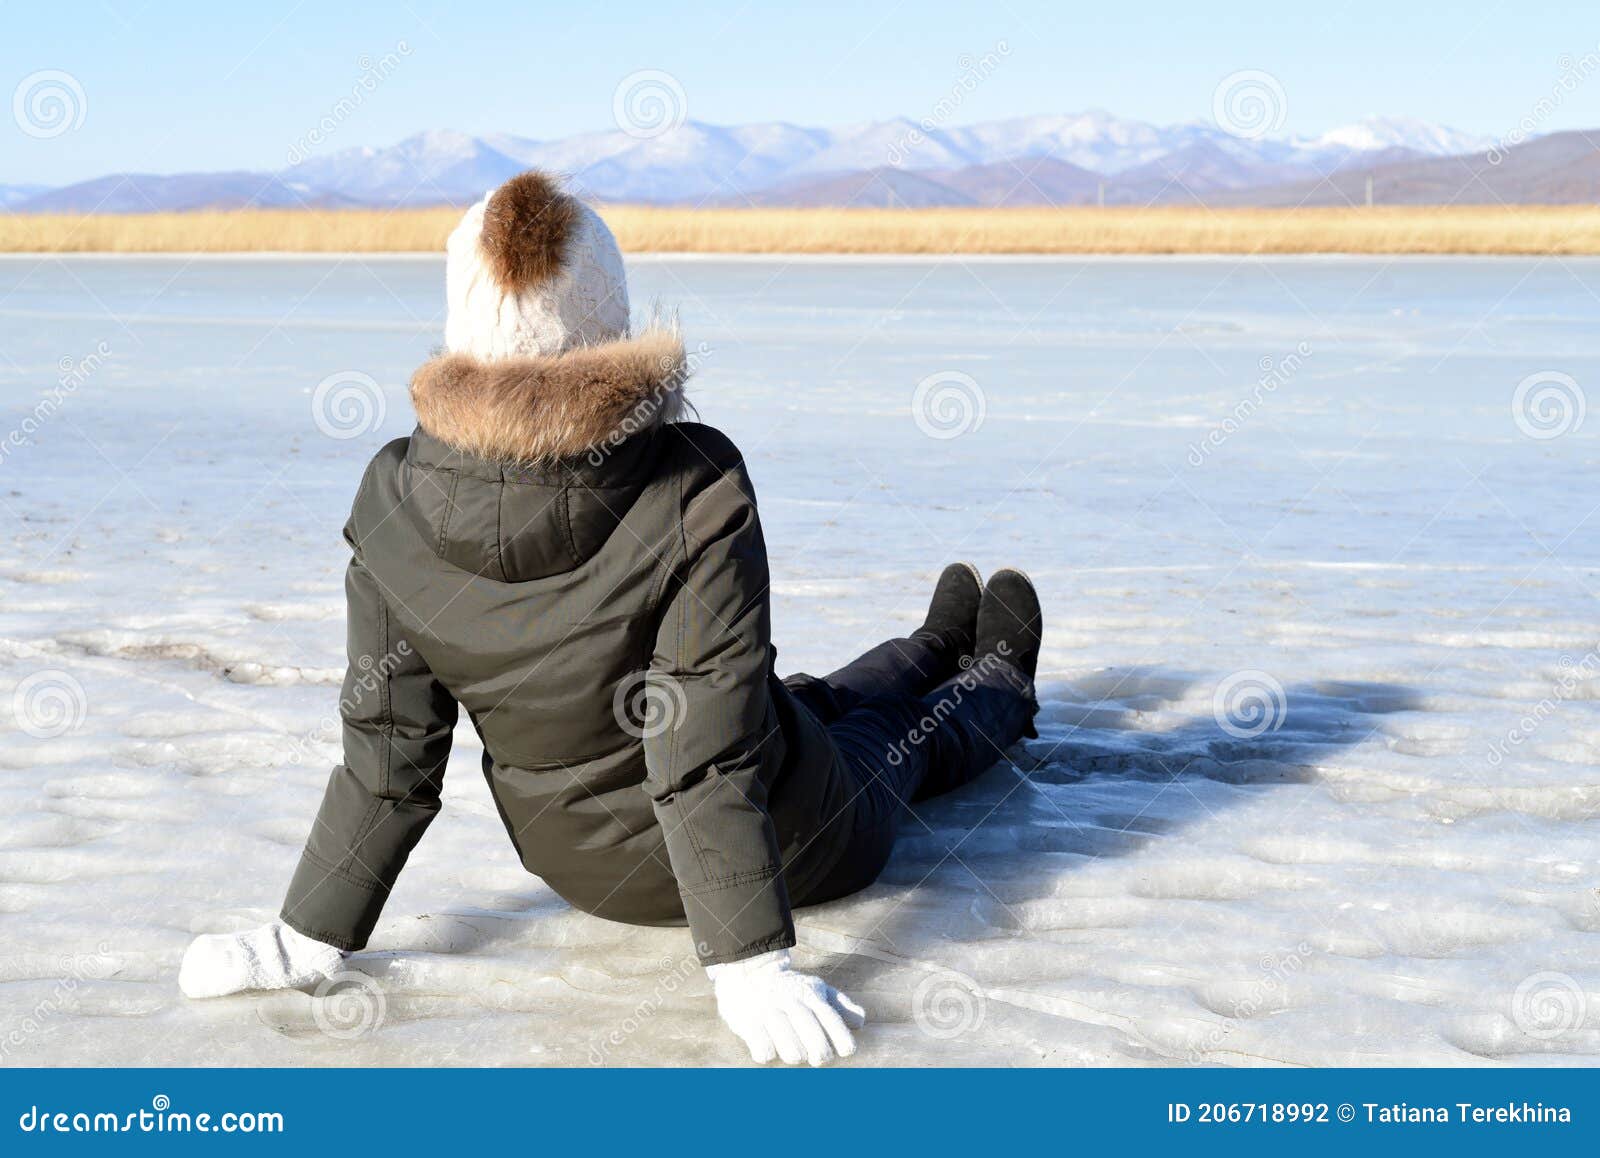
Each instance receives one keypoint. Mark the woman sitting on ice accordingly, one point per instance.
(551, 549)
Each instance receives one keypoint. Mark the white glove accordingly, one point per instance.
(777, 1011)
(271, 957)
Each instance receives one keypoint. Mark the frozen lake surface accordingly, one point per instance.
(1316, 779)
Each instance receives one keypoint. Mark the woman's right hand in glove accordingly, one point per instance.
(779, 1012)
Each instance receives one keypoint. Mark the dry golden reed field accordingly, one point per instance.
(1573, 229)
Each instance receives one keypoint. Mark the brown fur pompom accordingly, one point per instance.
(526, 227)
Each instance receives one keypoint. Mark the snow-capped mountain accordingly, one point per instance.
(698, 163)
(426, 168)
(1378, 133)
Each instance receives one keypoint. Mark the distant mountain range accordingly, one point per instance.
(1043, 160)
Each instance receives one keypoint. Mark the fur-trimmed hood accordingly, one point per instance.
(526, 411)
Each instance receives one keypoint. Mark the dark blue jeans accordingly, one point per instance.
(907, 724)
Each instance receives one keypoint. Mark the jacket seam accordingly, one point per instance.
(564, 517)
(385, 703)
(317, 933)
(784, 940)
(721, 884)
(449, 509)
(677, 666)
(342, 874)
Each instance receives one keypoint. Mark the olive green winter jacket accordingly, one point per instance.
(586, 577)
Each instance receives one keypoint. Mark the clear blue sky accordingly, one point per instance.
(179, 86)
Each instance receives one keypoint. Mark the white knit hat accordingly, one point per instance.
(532, 271)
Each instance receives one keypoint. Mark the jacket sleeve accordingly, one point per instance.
(397, 722)
(711, 726)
